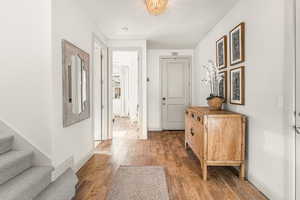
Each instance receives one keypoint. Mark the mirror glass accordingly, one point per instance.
(78, 84)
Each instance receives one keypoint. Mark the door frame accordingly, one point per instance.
(296, 40)
(140, 87)
(98, 84)
(161, 58)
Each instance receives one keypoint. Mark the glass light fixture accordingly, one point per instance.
(156, 7)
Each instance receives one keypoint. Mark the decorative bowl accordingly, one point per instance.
(215, 103)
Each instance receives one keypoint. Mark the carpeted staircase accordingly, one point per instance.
(21, 180)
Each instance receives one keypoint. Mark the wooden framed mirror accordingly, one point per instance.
(76, 84)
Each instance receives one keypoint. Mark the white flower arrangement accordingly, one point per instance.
(212, 78)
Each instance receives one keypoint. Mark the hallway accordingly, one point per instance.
(184, 176)
(123, 128)
(152, 65)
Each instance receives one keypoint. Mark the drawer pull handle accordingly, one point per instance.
(193, 115)
(192, 133)
(199, 119)
(186, 112)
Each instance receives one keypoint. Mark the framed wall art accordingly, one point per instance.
(221, 52)
(237, 44)
(222, 85)
(237, 86)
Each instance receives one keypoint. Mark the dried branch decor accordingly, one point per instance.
(212, 78)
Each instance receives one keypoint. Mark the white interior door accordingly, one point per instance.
(297, 161)
(105, 94)
(97, 111)
(100, 93)
(175, 95)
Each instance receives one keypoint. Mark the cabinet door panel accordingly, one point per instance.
(199, 136)
(188, 129)
(194, 135)
(187, 126)
(224, 139)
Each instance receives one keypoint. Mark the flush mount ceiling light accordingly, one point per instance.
(125, 29)
(156, 7)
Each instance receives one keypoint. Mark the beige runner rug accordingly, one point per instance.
(139, 183)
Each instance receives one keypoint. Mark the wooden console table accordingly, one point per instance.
(216, 137)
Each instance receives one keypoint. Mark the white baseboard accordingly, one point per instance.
(143, 137)
(260, 187)
(80, 164)
(154, 129)
(61, 168)
(69, 163)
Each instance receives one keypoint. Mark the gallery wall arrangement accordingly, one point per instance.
(76, 84)
(236, 74)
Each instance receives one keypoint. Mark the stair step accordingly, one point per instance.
(27, 185)
(62, 188)
(13, 163)
(6, 141)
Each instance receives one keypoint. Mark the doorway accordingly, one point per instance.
(125, 96)
(175, 91)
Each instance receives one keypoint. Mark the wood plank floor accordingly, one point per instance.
(165, 149)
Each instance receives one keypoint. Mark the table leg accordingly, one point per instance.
(242, 171)
(204, 171)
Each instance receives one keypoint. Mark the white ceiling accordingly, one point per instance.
(183, 24)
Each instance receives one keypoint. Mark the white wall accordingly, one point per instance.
(142, 46)
(268, 93)
(154, 101)
(25, 70)
(70, 22)
(31, 75)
